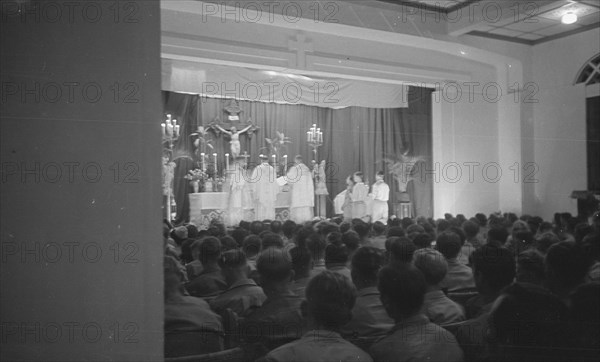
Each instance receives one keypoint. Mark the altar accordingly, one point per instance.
(208, 206)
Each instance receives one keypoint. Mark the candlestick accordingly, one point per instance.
(226, 162)
(216, 169)
(285, 164)
(168, 117)
(163, 126)
(174, 122)
(176, 130)
(202, 164)
(169, 130)
(307, 136)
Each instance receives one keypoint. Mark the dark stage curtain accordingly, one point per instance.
(355, 138)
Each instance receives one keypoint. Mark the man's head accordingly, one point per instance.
(497, 234)
(432, 264)
(298, 159)
(330, 298)
(566, 266)
(357, 177)
(275, 268)
(402, 288)
(471, 229)
(251, 245)
(257, 227)
(494, 268)
(400, 250)
(336, 254)
(379, 176)
(210, 250)
(448, 243)
(530, 267)
(379, 228)
(301, 261)
(366, 263)
(288, 228)
(233, 266)
(271, 240)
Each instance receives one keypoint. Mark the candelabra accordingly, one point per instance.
(170, 134)
(314, 137)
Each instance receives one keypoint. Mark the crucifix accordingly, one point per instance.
(233, 127)
(301, 46)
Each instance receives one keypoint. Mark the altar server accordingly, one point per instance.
(299, 177)
(381, 194)
(359, 197)
(235, 186)
(265, 188)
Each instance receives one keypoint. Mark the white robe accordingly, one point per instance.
(235, 185)
(299, 177)
(381, 195)
(265, 190)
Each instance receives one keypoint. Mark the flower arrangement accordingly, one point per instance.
(196, 175)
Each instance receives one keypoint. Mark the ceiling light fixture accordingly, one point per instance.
(569, 18)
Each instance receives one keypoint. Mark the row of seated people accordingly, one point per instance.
(420, 289)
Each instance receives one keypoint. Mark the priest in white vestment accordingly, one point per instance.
(299, 177)
(381, 194)
(235, 186)
(358, 196)
(265, 189)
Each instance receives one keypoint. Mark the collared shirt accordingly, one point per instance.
(369, 318)
(341, 270)
(459, 276)
(319, 345)
(299, 287)
(377, 242)
(188, 314)
(442, 310)
(381, 191)
(417, 339)
(276, 322)
(240, 297)
(208, 284)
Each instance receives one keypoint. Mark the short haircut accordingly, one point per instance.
(378, 227)
(239, 234)
(482, 219)
(362, 229)
(336, 254)
(567, 262)
(415, 228)
(316, 246)
(380, 173)
(530, 266)
(461, 234)
(232, 259)
(401, 249)
(396, 231)
(497, 233)
(251, 245)
(288, 228)
(210, 249)
(330, 298)
(351, 240)
(257, 227)
(274, 265)
(334, 238)
(404, 285)
(192, 231)
(470, 228)
(442, 225)
(406, 222)
(276, 226)
(496, 264)
(301, 259)
(448, 243)
(527, 315)
(345, 226)
(422, 240)
(366, 262)
(432, 264)
(228, 243)
(326, 227)
(271, 240)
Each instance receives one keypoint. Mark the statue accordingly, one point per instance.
(234, 134)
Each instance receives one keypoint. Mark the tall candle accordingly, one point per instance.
(285, 164)
(168, 118)
(275, 162)
(203, 165)
(174, 122)
(163, 126)
(307, 136)
(177, 130)
(216, 170)
(169, 130)
(226, 162)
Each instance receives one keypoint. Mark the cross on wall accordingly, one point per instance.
(301, 47)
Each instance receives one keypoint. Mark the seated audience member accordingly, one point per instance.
(494, 268)
(378, 239)
(186, 251)
(257, 227)
(301, 262)
(239, 234)
(584, 322)
(521, 241)
(414, 337)
(329, 301)
(437, 306)
(465, 249)
(288, 229)
(194, 268)
(545, 240)
(369, 318)
(278, 320)
(351, 240)
(228, 243)
(277, 228)
(345, 226)
(316, 246)
(271, 240)
(242, 293)
(517, 226)
(185, 314)
(442, 225)
(395, 231)
(497, 234)
(566, 268)
(251, 247)
(459, 276)
(400, 250)
(406, 222)
(336, 259)
(530, 267)
(527, 323)
(362, 229)
(471, 230)
(210, 282)
(591, 246)
(422, 241)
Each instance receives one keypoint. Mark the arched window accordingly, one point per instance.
(590, 72)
